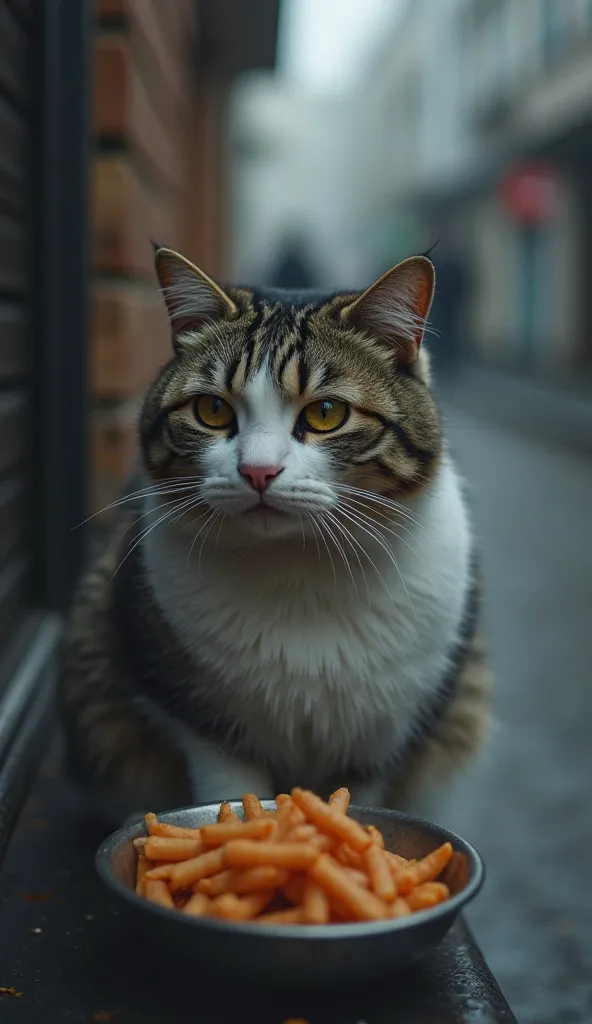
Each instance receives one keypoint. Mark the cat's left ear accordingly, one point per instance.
(395, 307)
(192, 298)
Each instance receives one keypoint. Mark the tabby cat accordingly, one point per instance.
(290, 593)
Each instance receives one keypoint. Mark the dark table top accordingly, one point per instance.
(64, 946)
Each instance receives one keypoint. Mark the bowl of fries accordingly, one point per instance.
(296, 890)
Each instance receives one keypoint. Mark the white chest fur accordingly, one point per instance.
(323, 671)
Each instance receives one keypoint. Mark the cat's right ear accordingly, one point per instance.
(192, 298)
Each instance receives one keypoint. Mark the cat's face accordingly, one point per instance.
(284, 413)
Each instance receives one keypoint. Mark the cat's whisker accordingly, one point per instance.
(392, 513)
(151, 511)
(382, 499)
(310, 518)
(373, 564)
(383, 544)
(364, 519)
(193, 542)
(178, 503)
(324, 540)
(348, 537)
(156, 490)
(303, 533)
(208, 529)
(339, 546)
(366, 504)
(144, 533)
(376, 496)
(353, 508)
(222, 521)
(200, 501)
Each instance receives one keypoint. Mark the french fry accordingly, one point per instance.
(379, 874)
(301, 834)
(260, 879)
(339, 800)
(363, 905)
(396, 862)
(160, 873)
(309, 834)
(375, 835)
(359, 877)
(307, 853)
(144, 865)
(187, 873)
(242, 882)
(198, 905)
(217, 885)
(349, 857)
(288, 817)
(252, 807)
(292, 916)
(162, 848)
(315, 904)
(255, 828)
(399, 907)
(323, 843)
(226, 813)
(424, 870)
(330, 820)
(166, 831)
(158, 892)
(248, 853)
(293, 890)
(429, 894)
(456, 871)
(339, 911)
(241, 908)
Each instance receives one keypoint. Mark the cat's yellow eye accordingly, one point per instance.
(325, 415)
(213, 412)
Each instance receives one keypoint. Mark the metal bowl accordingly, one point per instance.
(304, 955)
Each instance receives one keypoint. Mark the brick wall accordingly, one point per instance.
(158, 129)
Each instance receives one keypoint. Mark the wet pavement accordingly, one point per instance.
(527, 805)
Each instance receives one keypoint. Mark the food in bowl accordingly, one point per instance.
(305, 863)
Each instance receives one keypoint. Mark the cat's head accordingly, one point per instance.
(283, 408)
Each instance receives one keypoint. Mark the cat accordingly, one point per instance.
(290, 595)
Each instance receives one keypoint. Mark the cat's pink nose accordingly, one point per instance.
(260, 477)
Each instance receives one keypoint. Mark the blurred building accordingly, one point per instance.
(481, 115)
(473, 121)
(162, 74)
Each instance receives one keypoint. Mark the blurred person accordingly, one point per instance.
(294, 267)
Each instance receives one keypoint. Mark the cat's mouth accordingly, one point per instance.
(265, 511)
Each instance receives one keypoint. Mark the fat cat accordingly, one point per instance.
(289, 595)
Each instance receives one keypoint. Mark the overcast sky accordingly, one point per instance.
(324, 45)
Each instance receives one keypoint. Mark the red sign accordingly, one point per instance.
(530, 192)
